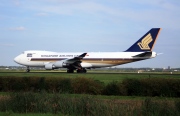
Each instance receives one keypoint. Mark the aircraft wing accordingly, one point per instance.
(76, 61)
(73, 63)
(78, 58)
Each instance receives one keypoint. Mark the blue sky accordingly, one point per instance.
(89, 26)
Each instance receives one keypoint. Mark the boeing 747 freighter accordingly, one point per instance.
(141, 50)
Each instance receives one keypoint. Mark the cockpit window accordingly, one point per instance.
(29, 55)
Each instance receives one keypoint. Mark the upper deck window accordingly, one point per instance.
(29, 55)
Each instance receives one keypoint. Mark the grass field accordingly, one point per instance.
(91, 105)
(103, 76)
(28, 114)
(106, 77)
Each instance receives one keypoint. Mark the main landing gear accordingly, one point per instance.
(70, 71)
(83, 70)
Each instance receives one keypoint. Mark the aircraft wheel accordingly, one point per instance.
(81, 71)
(84, 70)
(78, 71)
(27, 70)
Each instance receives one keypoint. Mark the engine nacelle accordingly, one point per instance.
(61, 64)
(49, 66)
(86, 65)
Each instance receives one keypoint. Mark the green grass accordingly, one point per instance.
(109, 104)
(103, 77)
(111, 97)
(106, 78)
(28, 114)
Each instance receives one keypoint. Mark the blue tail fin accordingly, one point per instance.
(146, 42)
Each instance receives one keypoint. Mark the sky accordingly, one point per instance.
(89, 26)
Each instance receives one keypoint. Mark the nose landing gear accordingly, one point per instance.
(27, 70)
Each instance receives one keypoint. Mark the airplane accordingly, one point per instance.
(140, 50)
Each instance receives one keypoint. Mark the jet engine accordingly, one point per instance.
(61, 64)
(49, 66)
(55, 65)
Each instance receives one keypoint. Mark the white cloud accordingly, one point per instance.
(165, 4)
(156, 12)
(20, 28)
(69, 7)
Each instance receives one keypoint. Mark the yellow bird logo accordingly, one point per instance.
(144, 44)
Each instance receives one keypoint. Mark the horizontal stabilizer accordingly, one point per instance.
(145, 54)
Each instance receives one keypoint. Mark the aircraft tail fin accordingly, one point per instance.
(146, 42)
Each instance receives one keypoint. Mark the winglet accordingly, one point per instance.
(146, 42)
(80, 56)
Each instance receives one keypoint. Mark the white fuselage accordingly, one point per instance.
(36, 58)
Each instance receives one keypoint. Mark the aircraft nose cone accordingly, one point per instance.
(17, 59)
